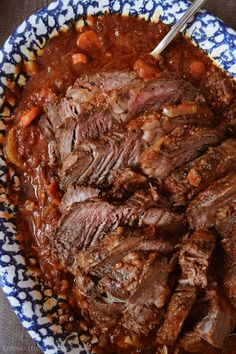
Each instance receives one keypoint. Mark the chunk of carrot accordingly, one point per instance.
(11, 149)
(144, 70)
(88, 41)
(29, 116)
(197, 69)
(79, 58)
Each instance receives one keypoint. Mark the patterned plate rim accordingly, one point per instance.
(30, 299)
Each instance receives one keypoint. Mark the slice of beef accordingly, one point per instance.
(188, 180)
(226, 227)
(221, 89)
(70, 124)
(46, 130)
(230, 345)
(109, 272)
(144, 306)
(163, 219)
(81, 226)
(126, 94)
(182, 145)
(96, 162)
(88, 92)
(57, 111)
(155, 124)
(178, 309)
(45, 127)
(149, 208)
(105, 299)
(90, 125)
(159, 90)
(77, 194)
(119, 259)
(93, 123)
(125, 270)
(214, 324)
(57, 150)
(84, 223)
(122, 92)
(194, 257)
(229, 281)
(86, 104)
(53, 158)
(126, 182)
(88, 87)
(97, 101)
(104, 312)
(65, 137)
(219, 321)
(101, 258)
(230, 118)
(88, 259)
(202, 210)
(120, 280)
(191, 342)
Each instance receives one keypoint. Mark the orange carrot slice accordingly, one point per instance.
(29, 116)
(11, 149)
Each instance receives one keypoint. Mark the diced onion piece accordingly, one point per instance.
(29, 116)
(90, 20)
(151, 151)
(88, 41)
(31, 67)
(181, 109)
(11, 150)
(164, 350)
(150, 125)
(79, 25)
(128, 340)
(79, 58)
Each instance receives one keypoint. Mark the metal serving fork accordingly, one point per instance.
(177, 27)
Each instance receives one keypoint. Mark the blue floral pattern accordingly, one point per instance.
(32, 301)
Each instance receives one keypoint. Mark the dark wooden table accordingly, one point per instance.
(13, 338)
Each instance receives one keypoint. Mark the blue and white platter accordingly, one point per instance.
(33, 303)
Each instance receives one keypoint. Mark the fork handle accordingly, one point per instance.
(177, 27)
